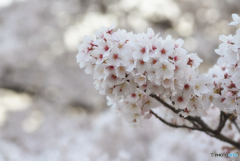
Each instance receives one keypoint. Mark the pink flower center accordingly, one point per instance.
(110, 32)
(175, 58)
(154, 61)
(186, 86)
(143, 50)
(114, 77)
(223, 99)
(180, 99)
(115, 56)
(133, 95)
(163, 51)
(141, 62)
(111, 67)
(106, 48)
(190, 62)
(154, 48)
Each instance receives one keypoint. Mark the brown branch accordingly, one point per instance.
(233, 120)
(222, 121)
(199, 124)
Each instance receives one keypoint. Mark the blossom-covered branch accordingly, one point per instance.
(135, 71)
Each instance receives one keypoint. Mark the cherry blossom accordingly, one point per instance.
(129, 67)
(236, 20)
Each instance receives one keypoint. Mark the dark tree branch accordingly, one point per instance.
(223, 119)
(233, 120)
(199, 124)
(196, 125)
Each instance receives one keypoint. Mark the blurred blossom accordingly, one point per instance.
(159, 9)
(190, 44)
(212, 15)
(63, 19)
(33, 121)
(136, 22)
(127, 5)
(5, 3)
(186, 25)
(90, 22)
(12, 101)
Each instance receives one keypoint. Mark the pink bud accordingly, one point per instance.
(229, 94)
(148, 116)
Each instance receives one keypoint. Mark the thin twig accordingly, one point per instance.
(172, 125)
(166, 104)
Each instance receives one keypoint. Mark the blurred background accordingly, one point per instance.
(49, 109)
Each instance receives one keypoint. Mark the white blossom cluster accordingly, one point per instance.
(128, 67)
(226, 74)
